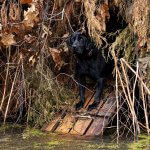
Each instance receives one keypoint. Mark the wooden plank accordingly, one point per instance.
(66, 124)
(88, 93)
(54, 123)
(109, 107)
(82, 123)
(49, 127)
(104, 113)
(81, 126)
(89, 99)
(96, 110)
(44, 127)
(97, 127)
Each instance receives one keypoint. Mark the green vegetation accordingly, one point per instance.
(27, 138)
(143, 143)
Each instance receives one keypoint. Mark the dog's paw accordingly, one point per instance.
(92, 106)
(79, 105)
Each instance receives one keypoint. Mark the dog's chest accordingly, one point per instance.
(88, 68)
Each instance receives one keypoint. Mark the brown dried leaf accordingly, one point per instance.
(8, 39)
(46, 31)
(116, 2)
(31, 16)
(19, 29)
(4, 17)
(32, 60)
(29, 38)
(56, 55)
(25, 1)
(14, 12)
(66, 35)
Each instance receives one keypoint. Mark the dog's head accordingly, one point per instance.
(78, 42)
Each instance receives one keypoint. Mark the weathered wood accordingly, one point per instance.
(97, 127)
(83, 122)
(104, 114)
(66, 124)
(50, 126)
(89, 99)
(54, 123)
(109, 107)
(81, 126)
(96, 110)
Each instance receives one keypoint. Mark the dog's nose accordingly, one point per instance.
(74, 46)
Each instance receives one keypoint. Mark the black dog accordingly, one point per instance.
(89, 63)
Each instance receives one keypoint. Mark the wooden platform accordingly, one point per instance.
(83, 122)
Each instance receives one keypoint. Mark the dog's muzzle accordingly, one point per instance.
(77, 50)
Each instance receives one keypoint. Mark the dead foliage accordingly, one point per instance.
(33, 55)
(97, 16)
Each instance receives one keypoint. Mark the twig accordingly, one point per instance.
(117, 104)
(69, 22)
(70, 76)
(116, 67)
(145, 109)
(137, 75)
(5, 84)
(12, 87)
(137, 69)
(135, 122)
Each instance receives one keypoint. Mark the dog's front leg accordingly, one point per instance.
(99, 88)
(82, 83)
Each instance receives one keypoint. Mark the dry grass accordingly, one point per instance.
(29, 89)
(124, 67)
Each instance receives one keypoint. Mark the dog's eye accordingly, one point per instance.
(80, 39)
(73, 39)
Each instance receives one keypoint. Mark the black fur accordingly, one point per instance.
(89, 63)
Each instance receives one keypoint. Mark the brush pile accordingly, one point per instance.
(36, 67)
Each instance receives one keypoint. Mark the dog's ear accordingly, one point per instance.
(90, 47)
(88, 44)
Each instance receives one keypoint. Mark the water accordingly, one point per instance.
(19, 138)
